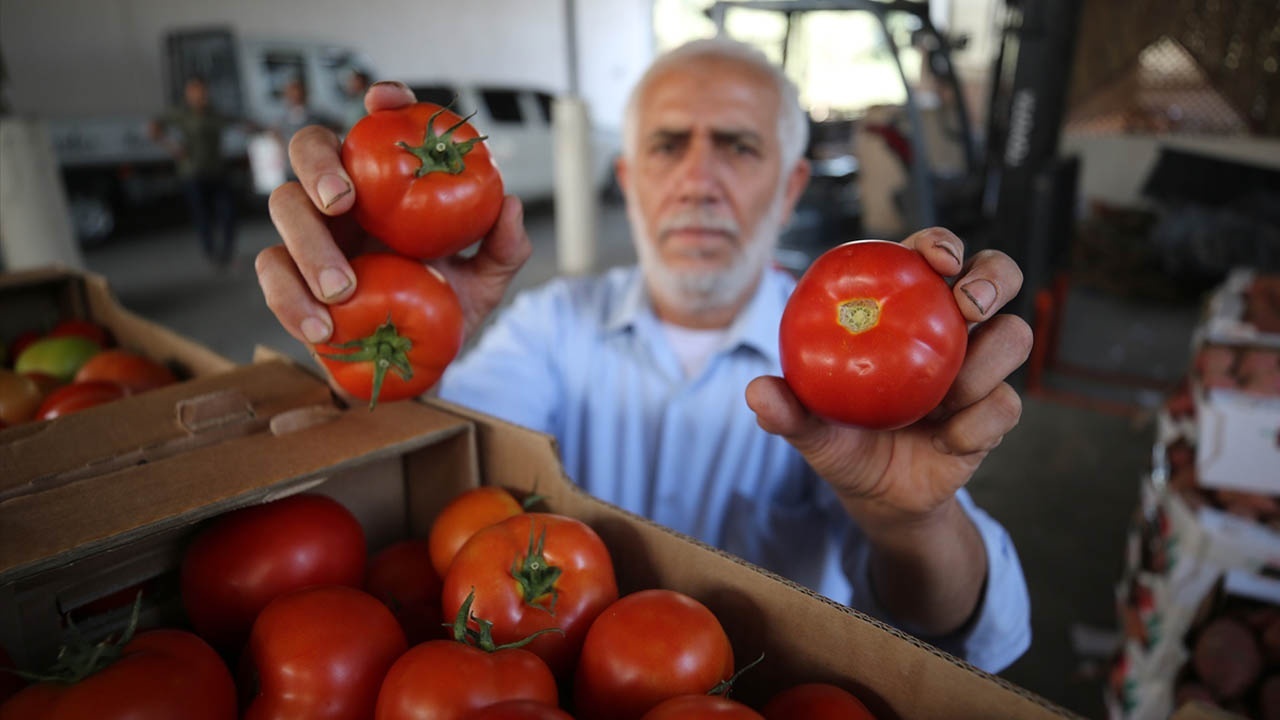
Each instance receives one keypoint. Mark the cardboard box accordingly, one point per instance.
(395, 468)
(37, 299)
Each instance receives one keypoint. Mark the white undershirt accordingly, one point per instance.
(694, 347)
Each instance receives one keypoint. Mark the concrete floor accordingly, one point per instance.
(1064, 482)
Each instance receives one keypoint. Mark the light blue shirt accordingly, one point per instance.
(585, 360)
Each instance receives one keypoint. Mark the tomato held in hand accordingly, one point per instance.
(705, 707)
(393, 338)
(466, 514)
(646, 647)
(401, 576)
(871, 336)
(532, 572)
(321, 653)
(138, 373)
(425, 183)
(816, 701)
(158, 675)
(249, 556)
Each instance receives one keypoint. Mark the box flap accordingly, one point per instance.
(57, 525)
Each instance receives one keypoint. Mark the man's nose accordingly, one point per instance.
(698, 173)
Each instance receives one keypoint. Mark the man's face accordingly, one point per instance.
(705, 190)
(197, 94)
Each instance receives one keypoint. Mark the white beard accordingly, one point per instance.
(696, 290)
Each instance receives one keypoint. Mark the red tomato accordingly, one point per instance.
(816, 701)
(401, 576)
(393, 338)
(448, 680)
(871, 336)
(79, 396)
(75, 327)
(160, 675)
(321, 653)
(246, 558)
(646, 647)
(20, 397)
(705, 707)
(520, 710)
(467, 513)
(138, 373)
(563, 578)
(425, 183)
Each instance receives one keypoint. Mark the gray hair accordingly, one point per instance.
(793, 125)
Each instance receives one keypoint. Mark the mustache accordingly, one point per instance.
(697, 218)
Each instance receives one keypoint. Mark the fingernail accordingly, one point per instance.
(392, 83)
(315, 330)
(949, 250)
(981, 293)
(333, 282)
(331, 188)
(941, 445)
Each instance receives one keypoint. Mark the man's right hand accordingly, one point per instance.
(309, 271)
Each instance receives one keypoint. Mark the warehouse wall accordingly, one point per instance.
(98, 57)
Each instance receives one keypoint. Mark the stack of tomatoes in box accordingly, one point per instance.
(69, 367)
(499, 612)
(1200, 598)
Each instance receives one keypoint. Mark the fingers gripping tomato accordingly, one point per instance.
(532, 572)
(871, 336)
(424, 181)
(394, 337)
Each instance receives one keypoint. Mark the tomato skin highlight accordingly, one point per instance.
(247, 557)
(162, 674)
(894, 371)
(79, 396)
(407, 317)
(321, 653)
(138, 373)
(488, 563)
(647, 647)
(433, 215)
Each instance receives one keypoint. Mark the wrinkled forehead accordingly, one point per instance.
(714, 92)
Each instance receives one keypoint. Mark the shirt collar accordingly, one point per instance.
(756, 327)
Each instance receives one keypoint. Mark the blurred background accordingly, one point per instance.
(1126, 154)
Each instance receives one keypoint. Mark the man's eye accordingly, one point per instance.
(742, 148)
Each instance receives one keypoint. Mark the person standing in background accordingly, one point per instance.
(356, 86)
(192, 134)
(298, 114)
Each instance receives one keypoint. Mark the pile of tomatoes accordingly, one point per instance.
(500, 612)
(426, 187)
(74, 365)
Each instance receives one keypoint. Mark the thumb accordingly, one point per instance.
(779, 411)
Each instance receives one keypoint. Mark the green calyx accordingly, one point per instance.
(385, 348)
(481, 636)
(79, 659)
(537, 577)
(441, 153)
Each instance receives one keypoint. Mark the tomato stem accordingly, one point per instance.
(78, 660)
(537, 577)
(859, 315)
(440, 153)
(386, 348)
(482, 638)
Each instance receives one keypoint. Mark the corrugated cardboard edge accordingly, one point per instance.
(539, 442)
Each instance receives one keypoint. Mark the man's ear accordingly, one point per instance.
(796, 181)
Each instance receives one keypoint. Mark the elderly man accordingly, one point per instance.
(640, 372)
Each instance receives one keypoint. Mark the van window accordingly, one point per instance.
(280, 67)
(504, 105)
(544, 105)
(442, 95)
